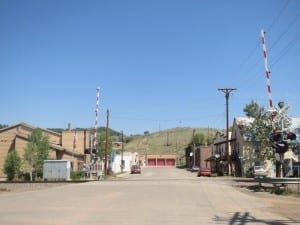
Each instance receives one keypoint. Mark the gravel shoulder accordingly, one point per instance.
(285, 205)
(14, 187)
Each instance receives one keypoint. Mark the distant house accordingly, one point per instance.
(243, 148)
(129, 159)
(220, 160)
(198, 156)
(205, 153)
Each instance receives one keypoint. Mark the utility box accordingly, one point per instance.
(57, 170)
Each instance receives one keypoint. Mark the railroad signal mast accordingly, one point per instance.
(278, 115)
(281, 139)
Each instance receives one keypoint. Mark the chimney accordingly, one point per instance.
(69, 127)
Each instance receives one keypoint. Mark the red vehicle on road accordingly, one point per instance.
(204, 172)
(135, 169)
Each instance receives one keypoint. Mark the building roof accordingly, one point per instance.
(295, 123)
(29, 127)
(245, 121)
(221, 138)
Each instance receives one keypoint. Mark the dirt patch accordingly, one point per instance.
(285, 205)
(8, 187)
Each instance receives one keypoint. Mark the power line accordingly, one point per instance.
(249, 80)
(285, 50)
(284, 32)
(278, 15)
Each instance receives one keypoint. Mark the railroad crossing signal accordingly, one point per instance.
(280, 141)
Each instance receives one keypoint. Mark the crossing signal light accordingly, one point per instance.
(94, 157)
(88, 151)
(279, 136)
(280, 141)
(276, 137)
(280, 147)
(291, 136)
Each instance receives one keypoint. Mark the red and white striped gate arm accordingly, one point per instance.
(96, 118)
(263, 40)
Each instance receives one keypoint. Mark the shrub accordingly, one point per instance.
(281, 190)
(77, 175)
(12, 165)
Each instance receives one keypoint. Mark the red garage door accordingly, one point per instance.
(170, 162)
(151, 162)
(160, 162)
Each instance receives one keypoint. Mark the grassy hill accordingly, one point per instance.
(171, 141)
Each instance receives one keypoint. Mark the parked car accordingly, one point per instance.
(256, 171)
(195, 169)
(204, 172)
(135, 169)
(259, 171)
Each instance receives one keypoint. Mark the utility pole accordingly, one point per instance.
(106, 142)
(122, 152)
(194, 150)
(227, 92)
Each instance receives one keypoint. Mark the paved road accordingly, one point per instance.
(157, 196)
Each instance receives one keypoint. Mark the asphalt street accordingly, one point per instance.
(160, 196)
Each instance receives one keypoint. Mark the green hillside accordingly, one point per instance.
(171, 141)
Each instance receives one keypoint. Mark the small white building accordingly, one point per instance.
(129, 159)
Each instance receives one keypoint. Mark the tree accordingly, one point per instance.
(253, 110)
(12, 165)
(3, 126)
(102, 145)
(210, 139)
(198, 139)
(36, 151)
(260, 129)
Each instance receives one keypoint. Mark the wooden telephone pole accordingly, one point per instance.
(227, 92)
(106, 143)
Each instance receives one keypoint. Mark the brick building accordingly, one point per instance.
(198, 156)
(67, 145)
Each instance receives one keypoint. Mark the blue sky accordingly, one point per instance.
(158, 63)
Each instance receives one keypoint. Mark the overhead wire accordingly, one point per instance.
(257, 45)
(278, 15)
(284, 32)
(251, 80)
(285, 50)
